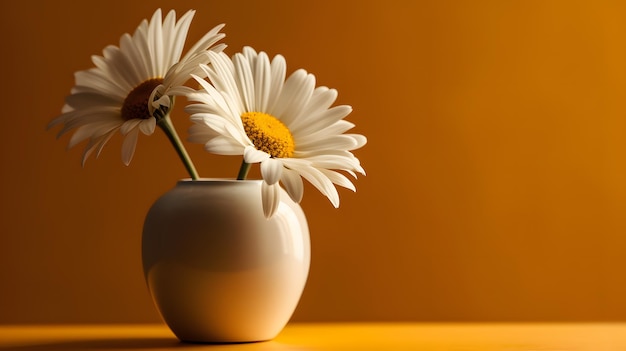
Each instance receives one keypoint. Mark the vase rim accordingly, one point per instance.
(216, 180)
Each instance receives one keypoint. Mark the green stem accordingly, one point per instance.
(166, 125)
(243, 170)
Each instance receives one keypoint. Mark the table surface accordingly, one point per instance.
(331, 336)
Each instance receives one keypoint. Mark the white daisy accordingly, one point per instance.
(287, 125)
(132, 86)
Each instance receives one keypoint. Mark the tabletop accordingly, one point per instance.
(330, 336)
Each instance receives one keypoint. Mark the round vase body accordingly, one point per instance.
(217, 269)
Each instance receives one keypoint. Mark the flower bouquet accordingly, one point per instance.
(225, 260)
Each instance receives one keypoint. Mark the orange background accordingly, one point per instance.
(496, 186)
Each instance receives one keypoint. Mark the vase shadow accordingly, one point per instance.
(143, 344)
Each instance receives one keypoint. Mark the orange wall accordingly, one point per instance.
(496, 186)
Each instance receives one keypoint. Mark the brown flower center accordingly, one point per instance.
(136, 103)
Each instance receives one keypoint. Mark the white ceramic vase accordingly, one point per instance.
(217, 269)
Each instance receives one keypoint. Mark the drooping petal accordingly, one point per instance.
(78, 118)
(320, 182)
(147, 126)
(338, 178)
(129, 125)
(293, 184)
(270, 195)
(96, 144)
(93, 130)
(271, 170)
(129, 145)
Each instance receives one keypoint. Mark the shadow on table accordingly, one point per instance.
(152, 344)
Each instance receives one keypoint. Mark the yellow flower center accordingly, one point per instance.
(136, 103)
(268, 134)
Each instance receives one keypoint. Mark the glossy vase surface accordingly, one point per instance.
(217, 269)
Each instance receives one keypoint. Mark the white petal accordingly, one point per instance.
(115, 67)
(262, 82)
(295, 95)
(337, 128)
(320, 101)
(223, 146)
(155, 38)
(218, 103)
(335, 142)
(147, 126)
(134, 55)
(293, 184)
(339, 179)
(249, 53)
(223, 79)
(129, 125)
(92, 130)
(180, 91)
(78, 118)
(252, 155)
(129, 145)
(320, 121)
(177, 41)
(212, 121)
(270, 195)
(278, 70)
(95, 80)
(361, 140)
(245, 82)
(321, 182)
(271, 170)
(200, 134)
(90, 99)
(207, 41)
(96, 144)
(163, 101)
(339, 161)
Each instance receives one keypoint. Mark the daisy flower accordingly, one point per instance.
(286, 125)
(131, 88)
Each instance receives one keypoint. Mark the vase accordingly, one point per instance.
(217, 269)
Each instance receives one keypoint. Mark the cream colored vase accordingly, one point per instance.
(217, 269)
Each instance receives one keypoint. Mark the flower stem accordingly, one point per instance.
(166, 125)
(243, 170)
